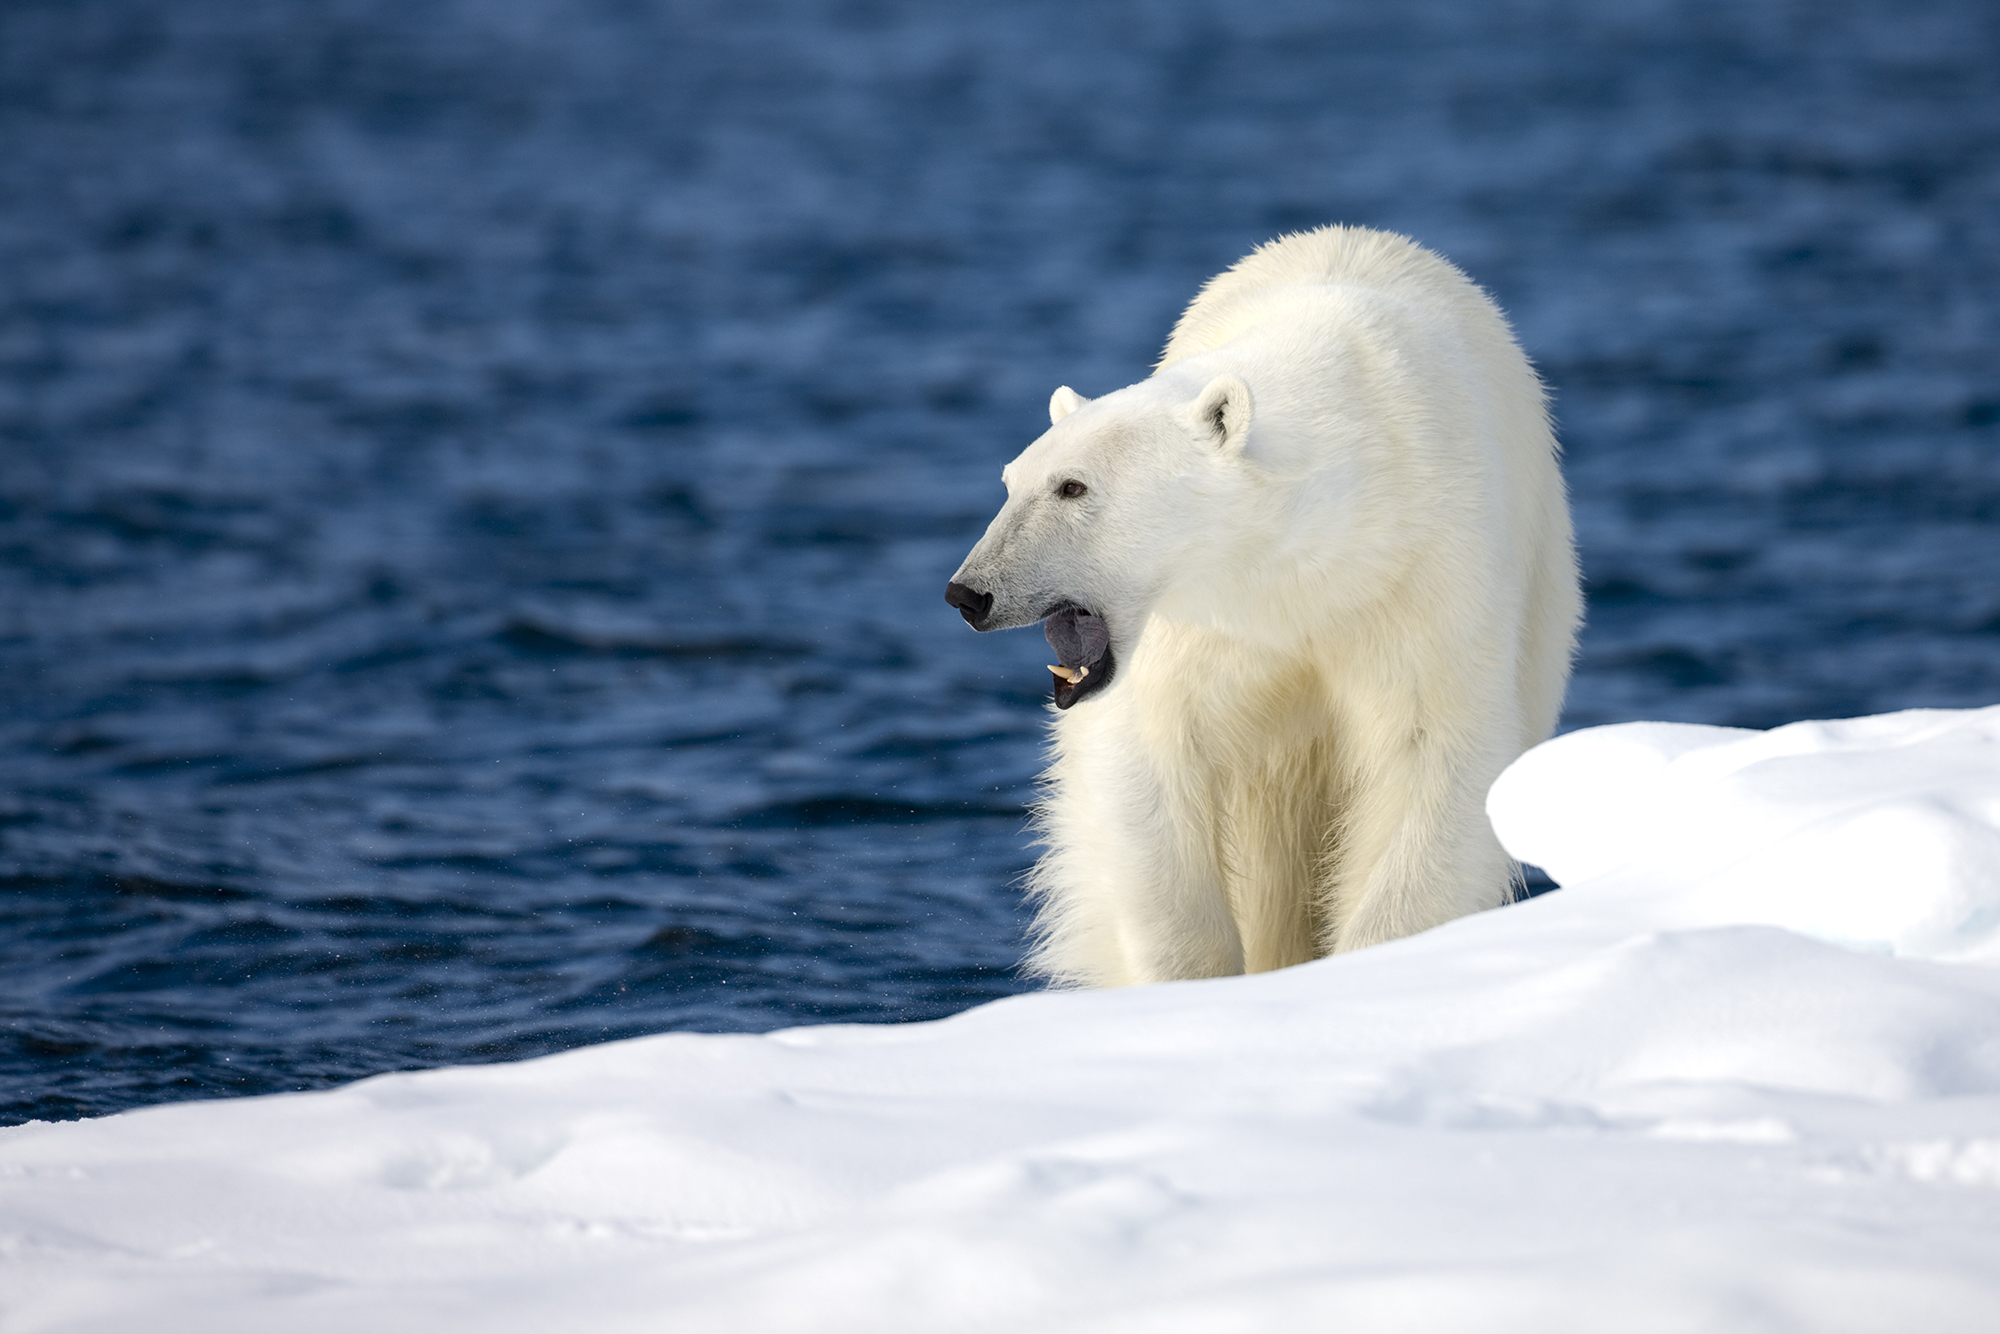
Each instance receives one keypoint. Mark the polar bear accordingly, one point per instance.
(1310, 587)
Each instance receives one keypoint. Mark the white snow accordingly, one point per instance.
(1741, 1073)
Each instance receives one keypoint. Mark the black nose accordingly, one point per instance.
(972, 606)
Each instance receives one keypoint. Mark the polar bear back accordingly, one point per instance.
(1227, 305)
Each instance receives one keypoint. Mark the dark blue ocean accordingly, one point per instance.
(477, 480)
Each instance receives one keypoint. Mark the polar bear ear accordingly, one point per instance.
(1064, 401)
(1221, 413)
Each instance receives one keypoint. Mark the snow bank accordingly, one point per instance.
(1877, 833)
(1742, 1073)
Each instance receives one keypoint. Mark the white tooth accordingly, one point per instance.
(1066, 674)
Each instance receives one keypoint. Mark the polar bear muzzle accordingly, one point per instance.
(1082, 643)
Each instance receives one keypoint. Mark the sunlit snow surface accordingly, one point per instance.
(1663, 1099)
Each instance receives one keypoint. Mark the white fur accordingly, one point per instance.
(1330, 542)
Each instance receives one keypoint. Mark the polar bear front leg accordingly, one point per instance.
(1420, 849)
(1130, 886)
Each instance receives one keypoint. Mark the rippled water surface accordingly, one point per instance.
(477, 480)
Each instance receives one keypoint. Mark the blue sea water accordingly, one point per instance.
(477, 479)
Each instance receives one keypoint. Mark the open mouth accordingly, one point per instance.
(1082, 643)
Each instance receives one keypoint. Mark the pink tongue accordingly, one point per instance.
(1078, 638)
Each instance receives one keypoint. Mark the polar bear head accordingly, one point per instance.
(1110, 511)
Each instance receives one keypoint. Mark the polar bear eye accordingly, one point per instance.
(1071, 490)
